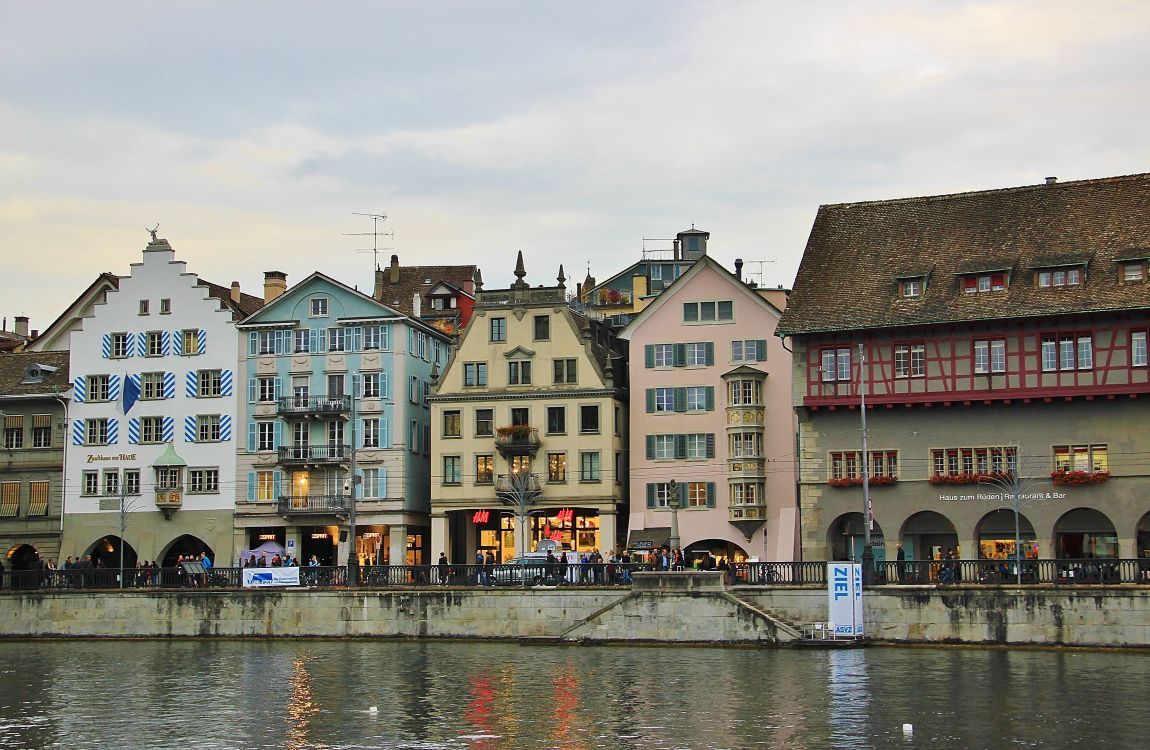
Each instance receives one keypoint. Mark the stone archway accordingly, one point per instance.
(105, 552)
(1142, 537)
(186, 545)
(1085, 533)
(929, 535)
(846, 538)
(721, 549)
(994, 535)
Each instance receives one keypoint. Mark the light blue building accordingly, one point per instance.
(332, 376)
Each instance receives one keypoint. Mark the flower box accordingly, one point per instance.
(968, 478)
(1064, 476)
(877, 481)
(514, 431)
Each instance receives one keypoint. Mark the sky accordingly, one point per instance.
(577, 132)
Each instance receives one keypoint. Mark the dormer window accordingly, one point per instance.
(1059, 277)
(983, 282)
(1134, 272)
(911, 288)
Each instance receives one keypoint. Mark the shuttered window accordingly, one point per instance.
(37, 498)
(9, 499)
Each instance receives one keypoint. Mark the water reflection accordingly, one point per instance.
(487, 696)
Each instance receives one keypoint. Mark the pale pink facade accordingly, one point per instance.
(711, 409)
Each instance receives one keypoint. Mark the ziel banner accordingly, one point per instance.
(844, 598)
(262, 577)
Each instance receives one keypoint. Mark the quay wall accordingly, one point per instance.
(1082, 616)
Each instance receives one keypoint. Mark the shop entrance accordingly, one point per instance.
(996, 536)
(320, 541)
(1143, 536)
(929, 536)
(105, 553)
(846, 539)
(186, 545)
(1085, 533)
(720, 549)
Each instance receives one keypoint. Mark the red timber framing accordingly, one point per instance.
(1004, 361)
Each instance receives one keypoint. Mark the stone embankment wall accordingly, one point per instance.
(691, 609)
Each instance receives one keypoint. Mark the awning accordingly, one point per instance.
(652, 538)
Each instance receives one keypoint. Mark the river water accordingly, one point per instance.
(203, 695)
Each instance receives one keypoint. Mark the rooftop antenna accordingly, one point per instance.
(758, 273)
(374, 234)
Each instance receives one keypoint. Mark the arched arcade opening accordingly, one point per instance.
(846, 538)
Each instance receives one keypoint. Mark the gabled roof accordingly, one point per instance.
(420, 280)
(846, 280)
(13, 366)
(696, 268)
(55, 334)
(247, 305)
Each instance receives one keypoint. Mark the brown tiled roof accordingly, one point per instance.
(855, 251)
(248, 304)
(12, 373)
(420, 280)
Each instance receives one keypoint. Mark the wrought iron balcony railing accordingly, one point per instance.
(319, 455)
(304, 406)
(517, 439)
(294, 505)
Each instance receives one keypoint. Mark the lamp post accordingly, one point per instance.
(352, 553)
(867, 550)
(673, 504)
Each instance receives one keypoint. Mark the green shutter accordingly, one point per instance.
(650, 447)
(650, 400)
(680, 446)
(710, 397)
(710, 494)
(650, 495)
(682, 487)
(710, 445)
(649, 355)
(680, 355)
(710, 348)
(680, 399)
(761, 350)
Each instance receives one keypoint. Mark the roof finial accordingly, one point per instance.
(520, 272)
(562, 277)
(153, 231)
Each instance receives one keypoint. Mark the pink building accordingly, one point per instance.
(711, 420)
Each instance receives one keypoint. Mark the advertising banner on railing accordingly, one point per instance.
(263, 577)
(844, 598)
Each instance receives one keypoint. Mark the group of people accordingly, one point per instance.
(287, 561)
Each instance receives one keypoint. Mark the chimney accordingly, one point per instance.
(393, 270)
(275, 284)
(21, 325)
(235, 292)
(378, 291)
(415, 305)
(1051, 180)
(35, 334)
(676, 246)
(739, 269)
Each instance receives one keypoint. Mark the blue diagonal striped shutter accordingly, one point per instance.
(113, 387)
(134, 431)
(202, 344)
(141, 344)
(177, 342)
(189, 429)
(80, 389)
(169, 429)
(169, 384)
(165, 342)
(113, 431)
(190, 384)
(225, 427)
(78, 428)
(106, 345)
(226, 383)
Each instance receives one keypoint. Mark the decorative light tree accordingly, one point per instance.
(1019, 486)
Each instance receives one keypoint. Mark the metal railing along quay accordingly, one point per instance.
(807, 573)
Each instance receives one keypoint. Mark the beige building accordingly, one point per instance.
(531, 412)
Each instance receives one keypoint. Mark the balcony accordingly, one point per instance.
(302, 505)
(314, 455)
(303, 407)
(747, 513)
(513, 484)
(169, 501)
(517, 440)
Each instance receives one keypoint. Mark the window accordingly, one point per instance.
(376, 337)
(556, 467)
(370, 387)
(745, 392)
(989, 356)
(708, 312)
(484, 469)
(111, 482)
(41, 430)
(697, 354)
(1138, 348)
(498, 330)
(1060, 277)
(319, 307)
(209, 383)
(265, 486)
(374, 481)
(1091, 458)
(452, 423)
(749, 350)
(203, 481)
(836, 364)
(9, 499)
(151, 385)
(13, 431)
(662, 447)
(910, 361)
(697, 494)
(154, 343)
(132, 481)
(664, 399)
(519, 372)
(190, 341)
(746, 493)
(917, 360)
(662, 355)
(564, 371)
(1067, 352)
(658, 495)
(99, 387)
(998, 355)
(976, 460)
(301, 340)
(335, 339)
(413, 437)
(484, 422)
(542, 327)
(697, 398)
(981, 357)
(452, 471)
(265, 436)
(151, 430)
(589, 466)
(910, 288)
(371, 433)
(474, 374)
(121, 346)
(746, 445)
(413, 390)
(335, 433)
(589, 418)
(848, 464)
(266, 388)
(91, 483)
(165, 307)
(266, 342)
(207, 428)
(335, 383)
(144, 307)
(1134, 273)
(987, 282)
(699, 445)
(556, 420)
(97, 432)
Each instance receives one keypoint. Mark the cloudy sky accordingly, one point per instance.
(253, 131)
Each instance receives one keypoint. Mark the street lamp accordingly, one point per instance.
(867, 550)
(673, 504)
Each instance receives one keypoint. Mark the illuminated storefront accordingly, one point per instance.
(573, 529)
